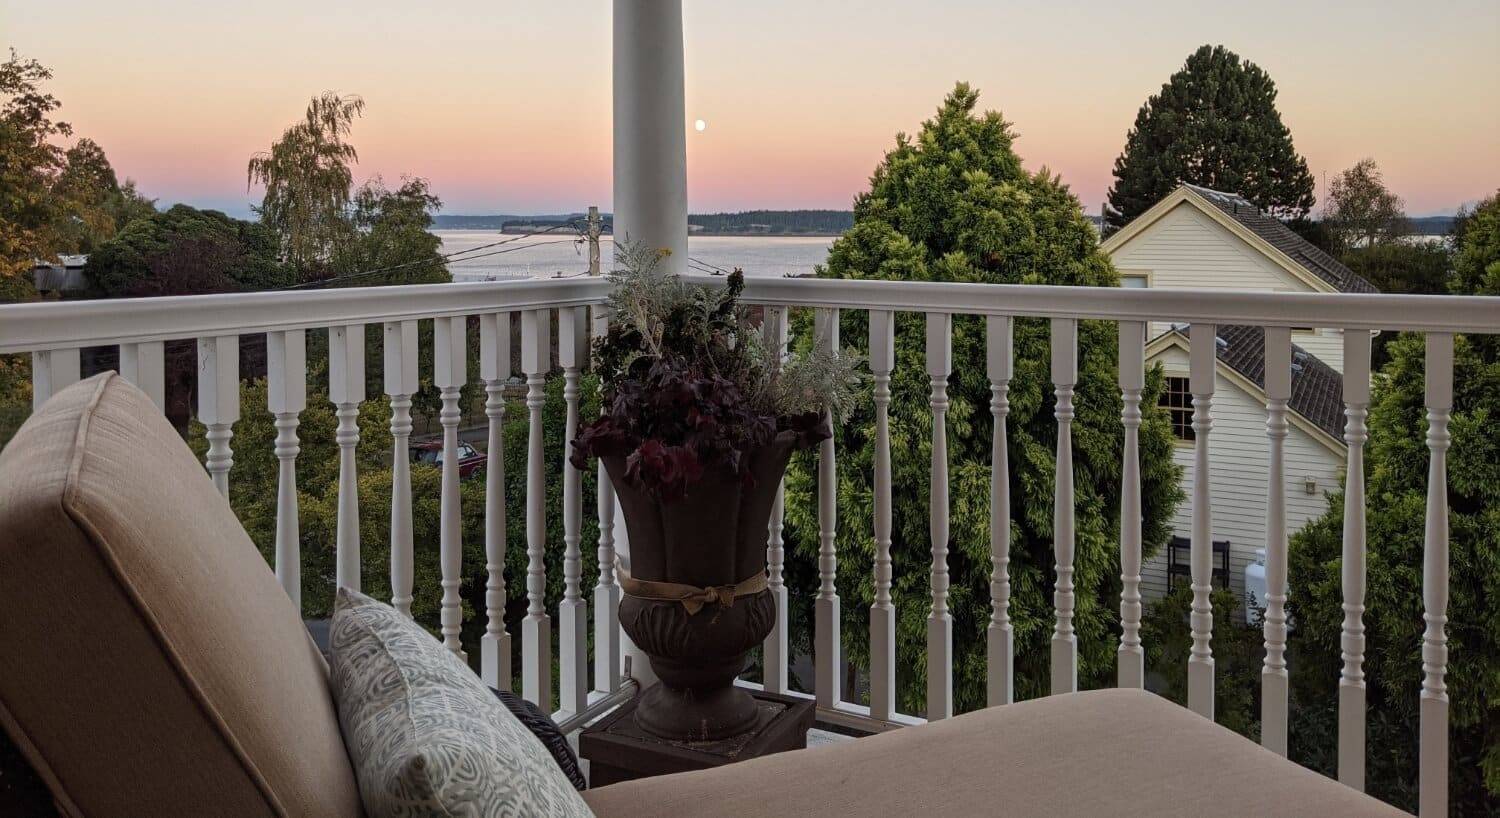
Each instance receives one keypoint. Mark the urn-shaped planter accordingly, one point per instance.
(695, 599)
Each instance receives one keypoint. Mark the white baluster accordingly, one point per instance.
(827, 646)
(494, 369)
(774, 658)
(143, 365)
(400, 384)
(1203, 363)
(1000, 647)
(1432, 782)
(1064, 378)
(219, 402)
(346, 390)
(1131, 665)
(286, 389)
(573, 612)
(450, 373)
(607, 645)
(939, 621)
(536, 628)
(1352, 679)
(1273, 675)
(882, 612)
(52, 371)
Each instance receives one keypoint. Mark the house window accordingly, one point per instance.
(1134, 281)
(1177, 399)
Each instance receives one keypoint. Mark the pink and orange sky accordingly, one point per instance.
(505, 106)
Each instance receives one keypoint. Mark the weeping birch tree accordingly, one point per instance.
(307, 177)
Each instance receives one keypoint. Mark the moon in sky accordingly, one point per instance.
(699, 125)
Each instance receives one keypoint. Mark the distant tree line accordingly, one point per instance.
(776, 222)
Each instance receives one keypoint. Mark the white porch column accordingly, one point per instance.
(650, 196)
(650, 136)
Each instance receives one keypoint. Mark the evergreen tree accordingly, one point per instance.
(1398, 267)
(1396, 514)
(954, 204)
(1476, 264)
(186, 251)
(1215, 124)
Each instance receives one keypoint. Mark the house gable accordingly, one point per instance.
(1185, 243)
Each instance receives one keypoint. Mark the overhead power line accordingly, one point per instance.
(457, 255)
(708, 268)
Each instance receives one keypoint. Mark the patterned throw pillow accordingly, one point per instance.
(425, 735)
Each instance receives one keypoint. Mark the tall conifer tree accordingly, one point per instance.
(1215, 124)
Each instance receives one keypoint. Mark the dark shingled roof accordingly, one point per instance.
(1283, 238)
(1317, 390)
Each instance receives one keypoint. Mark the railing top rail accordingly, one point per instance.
(1419, 313)
(55, 325)
(68, 324)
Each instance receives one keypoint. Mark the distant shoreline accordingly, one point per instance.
(812, 224)
(746, 224)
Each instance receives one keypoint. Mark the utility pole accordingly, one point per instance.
(595, 228)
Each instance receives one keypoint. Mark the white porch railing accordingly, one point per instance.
(55, 333)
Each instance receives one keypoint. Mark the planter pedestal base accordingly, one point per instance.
(705, 715)
(697, 657)
(618, 749)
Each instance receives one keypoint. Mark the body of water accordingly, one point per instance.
(545, 255)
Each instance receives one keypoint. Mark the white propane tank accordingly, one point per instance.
(1255, 588)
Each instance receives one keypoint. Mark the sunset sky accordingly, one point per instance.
(505, 106)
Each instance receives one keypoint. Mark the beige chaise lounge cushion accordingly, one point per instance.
(1108, 752)
(152, 664)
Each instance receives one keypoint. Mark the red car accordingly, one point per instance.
(470, 460)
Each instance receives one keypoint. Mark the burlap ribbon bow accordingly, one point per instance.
(692, 597)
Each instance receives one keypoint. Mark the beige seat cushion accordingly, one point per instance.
(152, 664)
(1107, 752)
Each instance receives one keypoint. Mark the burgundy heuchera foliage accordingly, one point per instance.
(675, 422)
(675, 415)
